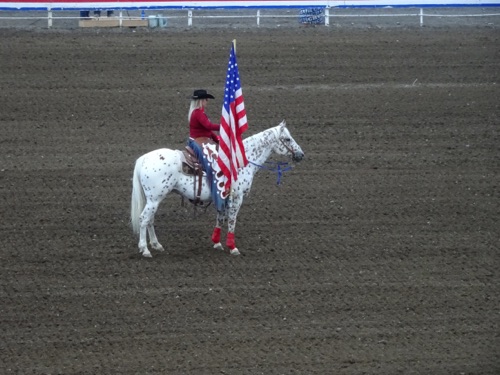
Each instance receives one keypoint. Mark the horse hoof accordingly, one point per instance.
(218, 246)
(234, 251)
(158, 247)
(146, 254)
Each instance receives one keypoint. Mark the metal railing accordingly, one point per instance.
(281, 16)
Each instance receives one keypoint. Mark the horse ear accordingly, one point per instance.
(283, 123)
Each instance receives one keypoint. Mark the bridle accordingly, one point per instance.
(288, 148)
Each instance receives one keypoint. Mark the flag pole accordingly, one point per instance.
(231, 192)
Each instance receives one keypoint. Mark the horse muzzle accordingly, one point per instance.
(298, 156)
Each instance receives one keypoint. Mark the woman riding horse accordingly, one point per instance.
(204, 143)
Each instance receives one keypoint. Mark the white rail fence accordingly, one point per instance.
(253, 17)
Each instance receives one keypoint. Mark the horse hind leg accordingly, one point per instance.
(147, 227)
(143, 246)
(153, 240)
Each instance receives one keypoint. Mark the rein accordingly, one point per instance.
(276, 167)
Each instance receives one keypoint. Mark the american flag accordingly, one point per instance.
(233, 124)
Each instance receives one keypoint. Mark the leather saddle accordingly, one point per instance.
(190, 163)
(192, 166)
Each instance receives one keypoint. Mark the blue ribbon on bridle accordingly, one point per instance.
(279, 167)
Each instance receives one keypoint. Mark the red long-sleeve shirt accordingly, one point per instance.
(200, 125)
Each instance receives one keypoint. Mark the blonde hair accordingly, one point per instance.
(195, 104)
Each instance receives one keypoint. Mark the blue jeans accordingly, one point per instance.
(219, 202)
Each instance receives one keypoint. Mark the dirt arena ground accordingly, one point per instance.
(378, 254)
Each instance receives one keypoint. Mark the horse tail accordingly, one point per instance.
(138, 200)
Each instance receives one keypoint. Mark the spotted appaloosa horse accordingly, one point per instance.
(159, 172)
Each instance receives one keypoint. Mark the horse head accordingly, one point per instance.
(286, 145)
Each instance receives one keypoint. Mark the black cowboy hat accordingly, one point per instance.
(201, 94)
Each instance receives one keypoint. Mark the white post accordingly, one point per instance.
(421, 17)
(258, 17)
(49, 18)
(327, 16)
(190, 18)
(120, 18)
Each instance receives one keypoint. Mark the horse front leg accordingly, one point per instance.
(221, 217)
(231, 225)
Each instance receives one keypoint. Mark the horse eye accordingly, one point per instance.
(287, 139)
